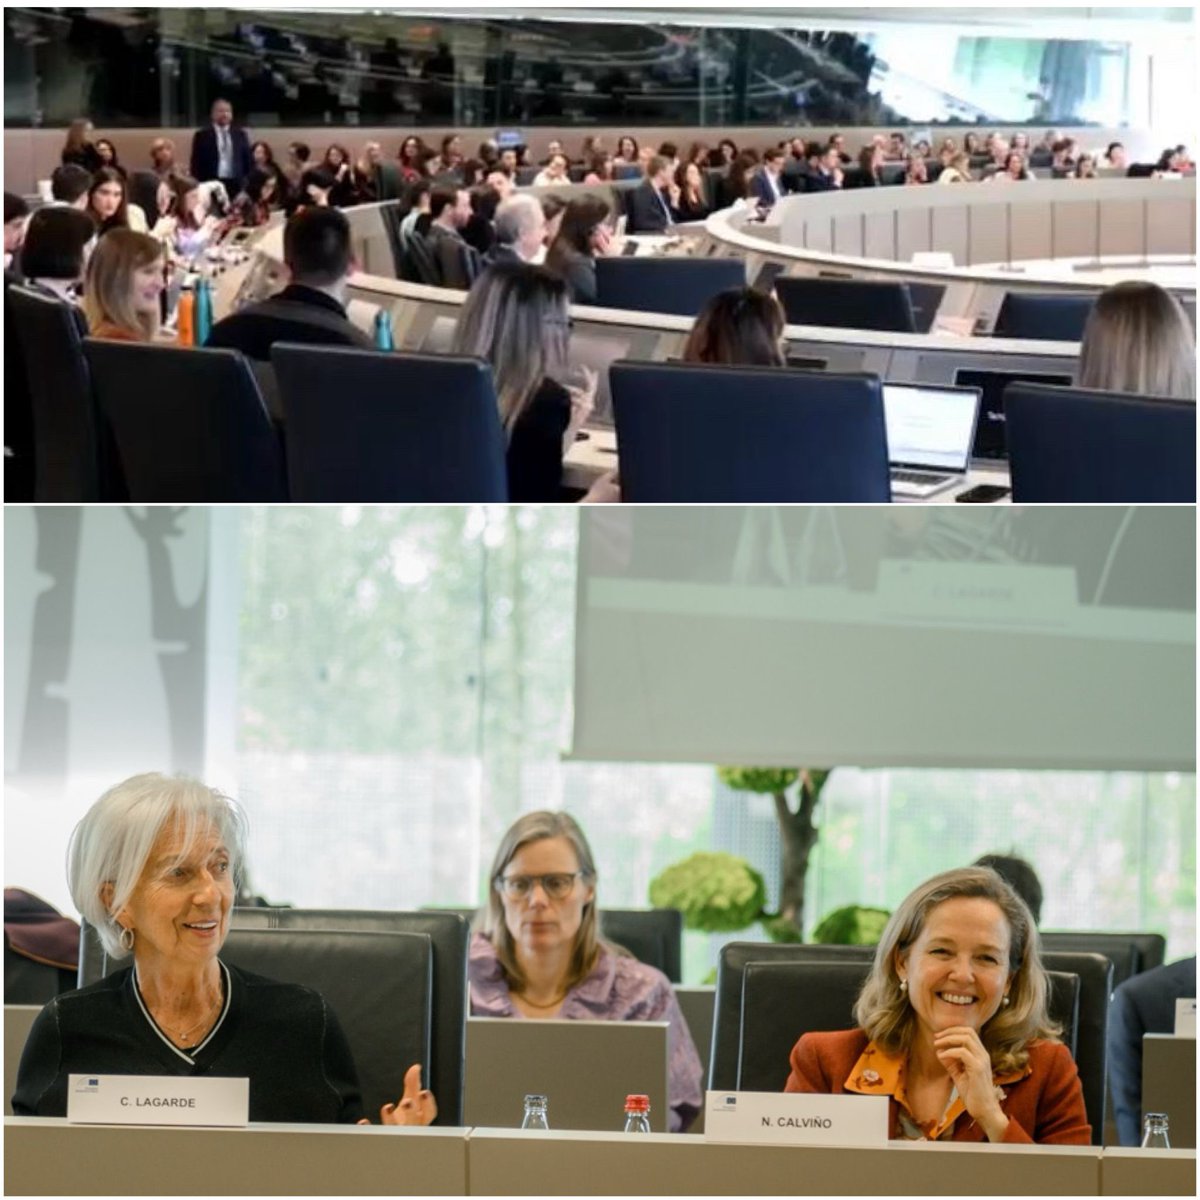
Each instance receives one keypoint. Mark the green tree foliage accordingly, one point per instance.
(851, 925)
(717, 892)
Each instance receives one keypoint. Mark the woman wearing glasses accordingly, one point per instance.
(540, 955)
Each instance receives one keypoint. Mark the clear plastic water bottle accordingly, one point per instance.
(1154, 1132)
(637, 1114)
(535, 1113)
(383, 331)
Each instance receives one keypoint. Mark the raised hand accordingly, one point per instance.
(969, 1066)
(416, 1106)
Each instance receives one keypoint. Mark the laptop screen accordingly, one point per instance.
(990, 442)
(930, 428)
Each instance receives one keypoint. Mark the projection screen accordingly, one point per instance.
(1037, 637)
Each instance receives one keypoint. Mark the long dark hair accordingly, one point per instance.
(580, 221)
(119, 219)
(738, 327)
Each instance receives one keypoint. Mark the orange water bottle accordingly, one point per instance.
(185, 320)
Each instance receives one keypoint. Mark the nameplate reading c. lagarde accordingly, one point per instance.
(157, 1100)
(796, 1118)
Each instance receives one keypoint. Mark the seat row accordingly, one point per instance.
(119, 420)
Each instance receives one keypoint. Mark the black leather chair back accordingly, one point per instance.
(652, 935)
(1129, 953)
(190, 425)
(1044, 318)
(1071, 446)
(713, 435)
(378, 427)
(682, 286)
(783, 1000)
(449, 936)
(18, 411)
(379, 984)
(1091, 1049)
(846, 303)
(458, 264)
(65, 429)
(422, 262)
(389, 215)
(27, 981)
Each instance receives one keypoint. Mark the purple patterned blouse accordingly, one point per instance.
(619, 989)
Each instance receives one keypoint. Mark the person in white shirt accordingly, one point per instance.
(555, 173)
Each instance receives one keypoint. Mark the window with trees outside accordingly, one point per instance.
(405, 690)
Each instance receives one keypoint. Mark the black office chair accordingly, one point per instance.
(389, 215)
(66, 429)
(18, 413)
(449, 935)
(781, 1001)
(1129, 953)
(652, 935)
(846, 303)
(1072, 446)
(703, 434)
(526, 176)
(682, 286)
(379, 984)
(30, 981)
(458, 264)
(1044, 318)
(378, 427)
(421, 261)
(190, 425)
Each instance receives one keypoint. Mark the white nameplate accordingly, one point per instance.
(157, 1100)
(796, 1118)
(1185, 1018)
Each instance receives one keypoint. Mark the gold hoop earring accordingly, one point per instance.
(126, 939)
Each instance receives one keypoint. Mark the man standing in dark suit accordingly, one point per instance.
(1143, 1004)
(649, 206)
(221, 150)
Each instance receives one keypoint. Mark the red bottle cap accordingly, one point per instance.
(637, 1104)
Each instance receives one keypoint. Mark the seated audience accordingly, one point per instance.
(1115, 156)
(959, 170)
(69, 185)
(915, 172)
(189, 225)
(366, 174)
(516, 318)
(583, 236)
(298, 156)
(1020, 876)
(107, 153)
(670, 152)
(838, 142)
(1170, 161)
(870, 166)
(1014, 169)
(827, 175)
(555, 173)
(54, 255)
(1138, 339)
(697, 155)
(553, 209)
(449, 161)
(724, 154)
(107, 205)
(123, 284)
(312, 308)
(449, 212)
(691, 204)
(150, 853)
(767, 185)
(501, 182)
(520, 231)
(79, 148)
(510, 159)
(411, 160)
(260, 195)
(1085, 167)
(480, 230)
(1141, 1005)
(600, 168)
(1062, 159)
(416, 221)
(316, 188)
(337, 164)
(162, 156)
(738, 183)
(539, 954)
(649, 204)
(16, 211)
(953, 1024)
(740, 327)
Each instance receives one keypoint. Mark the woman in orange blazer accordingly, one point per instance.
(953, 1026)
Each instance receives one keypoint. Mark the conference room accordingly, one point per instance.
(770, 295)
(417, 707)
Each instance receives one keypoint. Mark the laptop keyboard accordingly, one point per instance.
(919, 477)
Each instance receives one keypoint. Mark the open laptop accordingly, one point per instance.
(585, 1069)
(930, 429)
(991, 445)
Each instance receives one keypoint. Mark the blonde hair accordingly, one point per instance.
(534, 827)
(1138, 339)
(111, 845)
(883, 1011)
(108, 289)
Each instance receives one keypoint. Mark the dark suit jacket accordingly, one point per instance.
(1044, 1106)
(1141, 1005)
(579, 273)
(205, 157)
(819, 182)
(761, 189)
(648, 209)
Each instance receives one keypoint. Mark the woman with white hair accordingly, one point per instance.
(152, 867)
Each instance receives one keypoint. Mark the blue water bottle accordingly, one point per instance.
(204, 314)
(383, 331)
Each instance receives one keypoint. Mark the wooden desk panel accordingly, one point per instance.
(1128, 1172)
